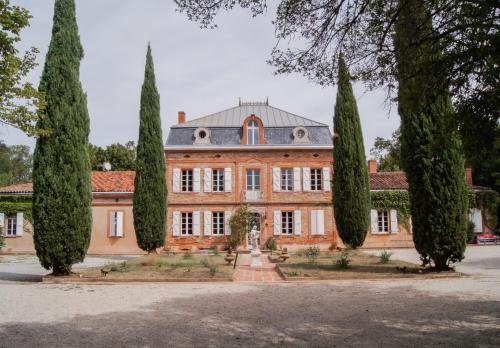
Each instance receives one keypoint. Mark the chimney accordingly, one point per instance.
(468, 176)
(372, 166)
(182, 117)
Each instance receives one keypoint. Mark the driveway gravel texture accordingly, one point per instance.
(457, 312)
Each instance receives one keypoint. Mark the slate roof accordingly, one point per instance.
(234, 117)
(226, 127)
(102, 182)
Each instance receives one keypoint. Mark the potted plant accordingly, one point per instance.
(240, 223)
(284, 255)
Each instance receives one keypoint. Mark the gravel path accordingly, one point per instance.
(459, 312)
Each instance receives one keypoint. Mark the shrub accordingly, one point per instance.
(240, 225)
(205, 262)
(187, 255)
(312, 253)
(385, 257)
(215, 251)
(344, 260)
(213, 269)
(271, 244)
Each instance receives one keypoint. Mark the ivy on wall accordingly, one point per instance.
(398, 200)
(488, 203)
(10, 205)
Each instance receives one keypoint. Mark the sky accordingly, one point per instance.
(199, 71)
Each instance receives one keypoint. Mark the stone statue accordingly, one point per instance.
(254, 237)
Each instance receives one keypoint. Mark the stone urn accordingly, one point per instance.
(229, 257)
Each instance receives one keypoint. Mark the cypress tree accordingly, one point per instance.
(62, 193)
(430, 145)
(351, 192)
(150, 196)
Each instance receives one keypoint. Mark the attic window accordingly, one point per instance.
(253, 133)
(300, 135)
(202, 136)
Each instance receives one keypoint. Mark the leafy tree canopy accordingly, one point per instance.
(121, 157)
(16, 164)
(387, 152)
(19, 101)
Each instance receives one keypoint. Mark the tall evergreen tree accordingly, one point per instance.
(150, 196)
(351, 192)
(62, 193)
(430, 145)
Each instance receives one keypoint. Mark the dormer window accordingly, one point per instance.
(253, 133)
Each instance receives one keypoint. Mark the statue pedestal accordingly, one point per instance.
(255, 255)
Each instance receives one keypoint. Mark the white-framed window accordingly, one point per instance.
(116, 224)
(218, 223)
(253, 179)
(218, 180)
(316, 179)
(187, 180)
(286, 179)
(187, 224)
(287, 222)
(383, 221)
(11, 226)
(252, 133)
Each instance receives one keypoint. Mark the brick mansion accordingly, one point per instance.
(278, 163)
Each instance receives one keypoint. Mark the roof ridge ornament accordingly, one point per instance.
(253, 103)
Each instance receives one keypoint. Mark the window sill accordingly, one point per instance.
(381, 233)
(116, 237)
(12, 237)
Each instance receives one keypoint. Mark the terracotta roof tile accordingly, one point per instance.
(118, 181)
(388, 181)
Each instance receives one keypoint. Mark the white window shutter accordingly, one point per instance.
(227, 219)
(296, 180)
(314, 222)
(176, 223)
(277, 222)
(394, 221)
(276, 179)
(111, 227)
(297, 222)
(320, 214)
(207, 180)
(119, 224)
(196, 223)
(176, 184)
(2, 221)
(227, 179)
(477, 219)
(374, 220)
(207, 231)
(196, 179)
(306, 173)
(326, 179)
(20, 224)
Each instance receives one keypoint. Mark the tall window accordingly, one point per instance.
(253, 179)
(286, 179)
(316, 179)
(187, 180)
(187, 224)
(252, 133)
(286, 222)
(12, 226)
(114, 223)
(383, 221)
(218, 180)
(218, 223)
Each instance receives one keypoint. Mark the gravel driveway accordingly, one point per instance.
(458, 312)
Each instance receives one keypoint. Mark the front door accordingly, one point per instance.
(254, 221)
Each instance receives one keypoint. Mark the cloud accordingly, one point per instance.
(199, 71)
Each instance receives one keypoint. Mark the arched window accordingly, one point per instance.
(253, 133)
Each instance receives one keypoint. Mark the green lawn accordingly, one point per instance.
(166, 267)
